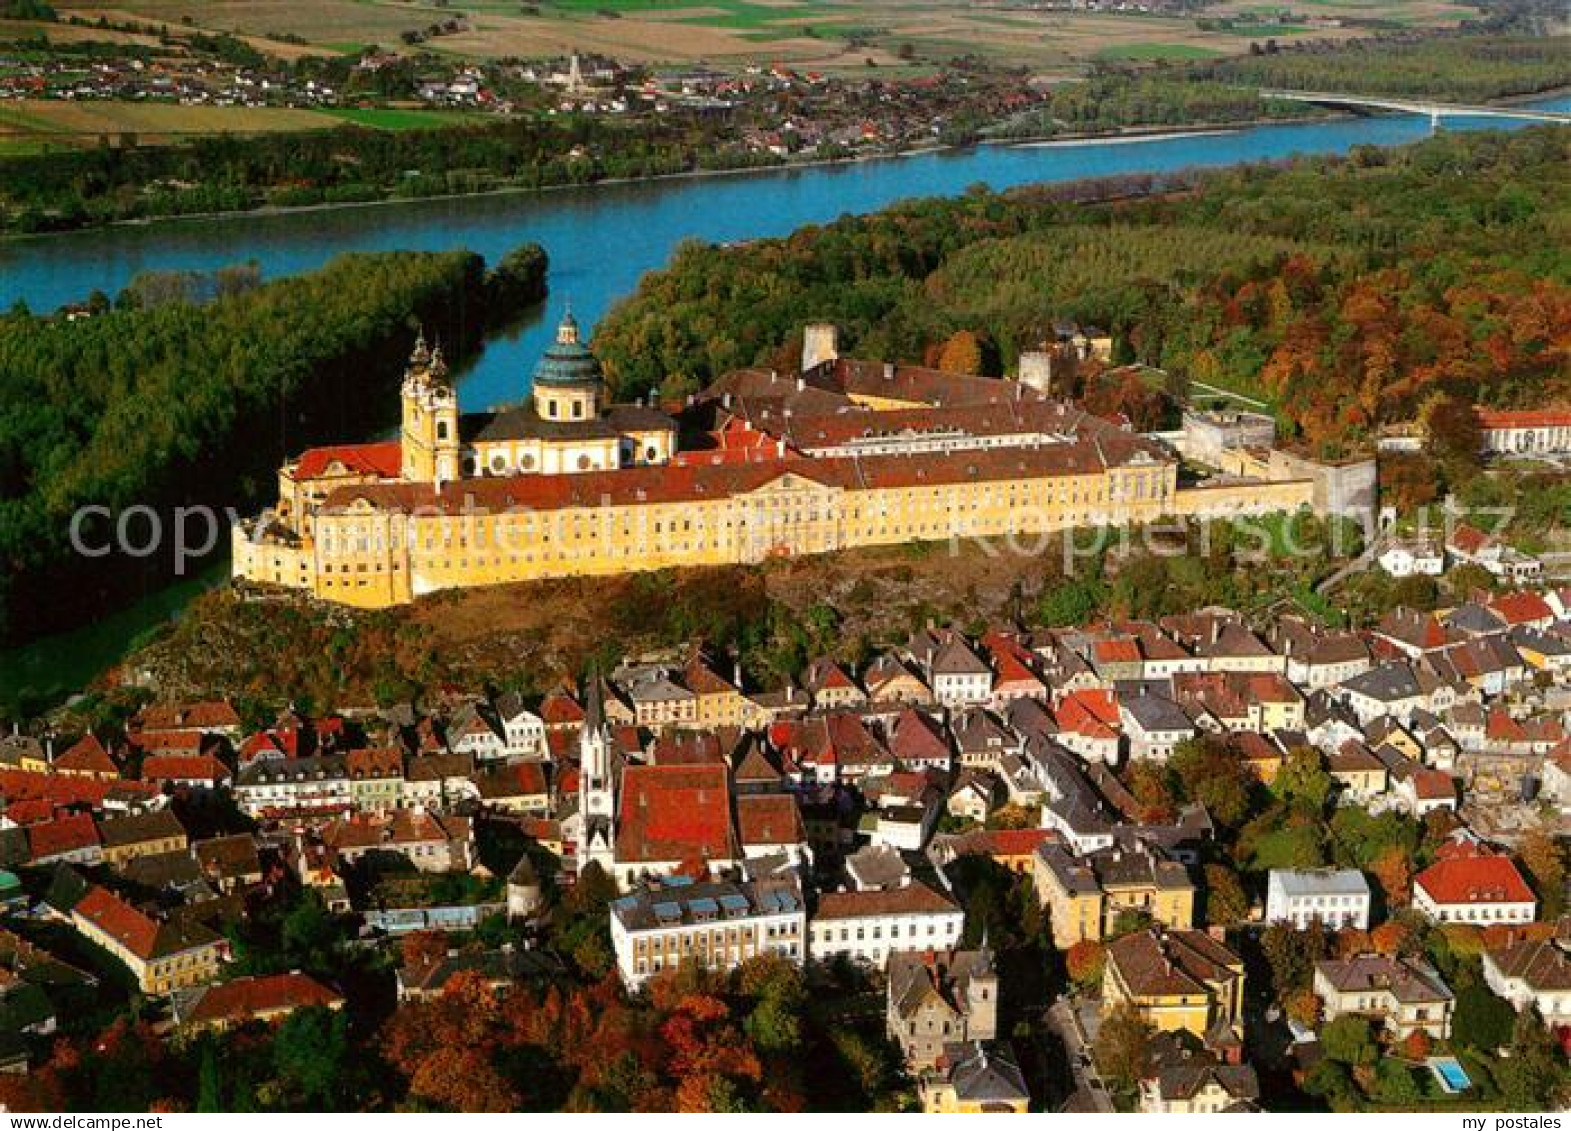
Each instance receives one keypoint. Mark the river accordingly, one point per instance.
(601, 240)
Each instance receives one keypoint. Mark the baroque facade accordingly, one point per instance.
(844, 454)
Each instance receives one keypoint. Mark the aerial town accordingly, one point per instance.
(767, 557)
(1261, 861)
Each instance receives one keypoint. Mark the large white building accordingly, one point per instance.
(1535, 431)
(1337, 897)
(1404, 994)
(1533, 974)
(276, 787)
(719, 925)
(869, 926)
(1479, 890)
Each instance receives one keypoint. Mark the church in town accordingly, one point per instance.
(841, 454)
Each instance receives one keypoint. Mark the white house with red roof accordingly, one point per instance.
(1481, 890)
(1088, 723)
(1524, 431)
(1468, 545)
(869, 926)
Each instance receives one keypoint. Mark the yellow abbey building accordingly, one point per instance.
(846, 453)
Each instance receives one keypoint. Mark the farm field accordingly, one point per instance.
(29, 124)
(822, 34)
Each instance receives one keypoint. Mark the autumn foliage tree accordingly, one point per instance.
(1085, 961)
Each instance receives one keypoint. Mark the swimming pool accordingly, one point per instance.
(1448, 1070)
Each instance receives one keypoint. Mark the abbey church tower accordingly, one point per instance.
(429, 438)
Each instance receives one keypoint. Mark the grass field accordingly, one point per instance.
(1149, 52)
(803, 33)
(29, 124)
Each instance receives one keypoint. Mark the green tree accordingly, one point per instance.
(1123, 1045)
(1226, 902)
(1208, 773)
(1348, 1039)
(1482, 1019)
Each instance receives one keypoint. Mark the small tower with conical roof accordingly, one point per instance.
(428, 439)
(568, 381)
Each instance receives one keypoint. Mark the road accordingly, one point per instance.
(1090, 1093)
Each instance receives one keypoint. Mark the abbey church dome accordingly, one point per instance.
(568, 361)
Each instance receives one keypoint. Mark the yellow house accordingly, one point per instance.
(23, 752)
(718, 702)
(1280, 705)
(1084, 895)
(140, 834)
(975, 1078)
(163, 955)
(1358, 771)
(87, 758)
(1177, 980)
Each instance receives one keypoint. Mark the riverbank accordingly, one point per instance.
(1128, 134)
(1122, 135)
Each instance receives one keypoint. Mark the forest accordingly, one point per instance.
(1457, 68)
(1348, 292)
(191, 389)
(767, 1037)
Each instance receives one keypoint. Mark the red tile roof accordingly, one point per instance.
(1116, 650)
(1468, 539)
(266, 996)
(1521, 608)
(1092, 712)
(1501, 727)
(916, 898)
(384, 460)
(770, 819)
(87, 756)
(183, 767)
(1004, 842)
(31, 811)
(675, 813)
(676, 484)
(62, 835)
(1496, 418)
(64, 789)
(1480, 879)
(559, 709)
(1434, 785)
(119, 920)
(270, 743)
(211, 714)
(169, 740)
(374, 762)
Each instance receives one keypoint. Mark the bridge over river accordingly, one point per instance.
(1434, 111)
